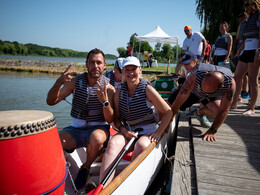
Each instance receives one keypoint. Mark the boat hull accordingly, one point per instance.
(134, 177)
(139, 174)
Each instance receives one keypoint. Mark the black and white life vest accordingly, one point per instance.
(252, 29)
(136, 112)
(200, 74)
(85, 103)
(109, 74)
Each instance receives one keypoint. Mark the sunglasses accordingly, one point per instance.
(187, 30)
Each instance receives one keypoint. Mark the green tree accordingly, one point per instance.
(157, 47)
(212, 12)
(9, 48)
(174, 50)
(167, 51)
(122, 52)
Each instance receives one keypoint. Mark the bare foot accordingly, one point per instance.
(248, 112)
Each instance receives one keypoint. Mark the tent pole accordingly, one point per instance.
(177, 52)
(132, 52)
(139, 49)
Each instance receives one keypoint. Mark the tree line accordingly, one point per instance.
(15, 48)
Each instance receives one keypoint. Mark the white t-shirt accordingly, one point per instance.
(193, 44)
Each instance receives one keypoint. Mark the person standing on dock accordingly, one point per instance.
(249, 61)
(92, 110)
(213, 86)
(194, 43)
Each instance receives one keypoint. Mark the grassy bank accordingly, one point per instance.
(148, 73)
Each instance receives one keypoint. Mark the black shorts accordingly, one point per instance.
(248, 56)
(192, 99)
(218, 59)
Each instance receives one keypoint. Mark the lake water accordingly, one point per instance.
(79, 60)
(28, 91)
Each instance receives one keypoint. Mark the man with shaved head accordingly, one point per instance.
(211, 86)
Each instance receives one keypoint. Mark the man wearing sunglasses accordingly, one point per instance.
(195, 43)
(211, 86)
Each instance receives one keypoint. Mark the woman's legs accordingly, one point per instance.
(241, 70)
(142, 143)
(115, 145)
(253, 72)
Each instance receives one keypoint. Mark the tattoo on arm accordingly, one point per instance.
(185, 87)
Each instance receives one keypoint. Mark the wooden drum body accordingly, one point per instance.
(32, 159)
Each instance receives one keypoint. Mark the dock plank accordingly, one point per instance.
(231, 165)
(183, 179)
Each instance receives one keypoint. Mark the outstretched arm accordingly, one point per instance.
(56, 93)
(184, 93)
(222, 112)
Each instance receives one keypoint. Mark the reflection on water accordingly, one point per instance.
(28, 91)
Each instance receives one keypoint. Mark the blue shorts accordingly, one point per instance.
(82, 135)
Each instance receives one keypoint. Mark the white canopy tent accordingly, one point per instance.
(159, 36)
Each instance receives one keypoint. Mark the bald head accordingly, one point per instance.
(212, 81)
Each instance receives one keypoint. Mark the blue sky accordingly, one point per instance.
(82, 25)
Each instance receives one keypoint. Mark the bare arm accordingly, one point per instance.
(204, 42)
(236, 42)
(107, 94)
(56, 93)
(257, 54)
(222, 112)
(119, 125)
(184, 93)
(230, 40)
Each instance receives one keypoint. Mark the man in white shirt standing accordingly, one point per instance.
(195, 43)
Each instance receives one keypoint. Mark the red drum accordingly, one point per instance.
(32, 159)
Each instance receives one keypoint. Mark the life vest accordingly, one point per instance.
(109, 74)
(252, 30)
(85, 103)
(201, 71)
(221, 42)
(136, 112)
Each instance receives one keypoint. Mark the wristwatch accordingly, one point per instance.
(106, 103)
(213, 130)
(258, 50)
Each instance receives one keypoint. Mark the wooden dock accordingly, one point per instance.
(231, 165)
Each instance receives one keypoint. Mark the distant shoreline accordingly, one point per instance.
(54, 67)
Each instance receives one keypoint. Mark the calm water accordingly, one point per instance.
(80, 60)
(27, 91)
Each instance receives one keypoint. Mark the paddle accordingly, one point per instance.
(120, 156)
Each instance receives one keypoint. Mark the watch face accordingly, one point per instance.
(106, 104)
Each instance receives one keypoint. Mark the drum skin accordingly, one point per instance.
(32, 164)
